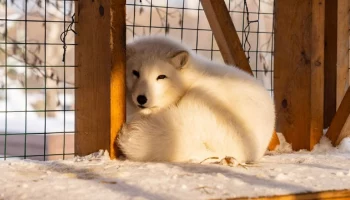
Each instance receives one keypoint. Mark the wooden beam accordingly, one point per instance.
(331, 194)
(225, 34)
(100, 74)
(299, 71)
(336, 56)
(118, 71)
(228, 41)
(340, 126)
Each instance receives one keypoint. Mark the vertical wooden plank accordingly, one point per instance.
(343, 49)
(340, 126)
(330, 62)
(117, 85)
(336, 56)
(298, 77)
(225, 34)
(317, 71)
(100, 74)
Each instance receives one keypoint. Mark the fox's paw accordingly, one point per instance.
(227, 161)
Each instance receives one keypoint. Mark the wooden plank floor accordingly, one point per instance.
(331, 194)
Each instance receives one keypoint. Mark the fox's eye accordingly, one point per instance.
(161, 77)
(136, 73)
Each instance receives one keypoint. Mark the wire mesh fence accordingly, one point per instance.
(185, 20)
(37, 86)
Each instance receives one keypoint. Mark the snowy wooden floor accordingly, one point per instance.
(97, 177)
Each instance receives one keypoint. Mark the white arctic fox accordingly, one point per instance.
(189, 108)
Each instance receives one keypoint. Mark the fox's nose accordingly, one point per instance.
(141, 99)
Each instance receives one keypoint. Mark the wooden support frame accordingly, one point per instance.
(336, 56)
(299, 70)
(228, 41)
(225, 34)
(340, 126)
(100, 74)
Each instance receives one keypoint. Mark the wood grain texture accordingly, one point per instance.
(317, 71)
(336, 56)
(100, 75)
(343, 49)
(333, 194)
(299, 71)
(340, 126)
(225, 34)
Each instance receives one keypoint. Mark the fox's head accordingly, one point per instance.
(155, 72)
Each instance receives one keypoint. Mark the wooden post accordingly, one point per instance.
(299, 70)
(228, 41)
(340, 126)
(100, 75)
(336, 56)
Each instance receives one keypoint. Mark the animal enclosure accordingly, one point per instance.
(62, 66)
(38, 61)
(37, 79)
(53, 63)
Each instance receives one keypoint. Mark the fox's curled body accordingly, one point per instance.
(201, 109)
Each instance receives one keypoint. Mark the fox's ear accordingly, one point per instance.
(179, 59)
(130, 51)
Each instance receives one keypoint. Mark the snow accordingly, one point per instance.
(17, 123)
(97, 177)
(21, 121)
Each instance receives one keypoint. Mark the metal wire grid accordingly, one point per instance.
(30, 46)
(185, 20)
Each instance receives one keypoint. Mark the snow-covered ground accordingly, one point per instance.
(21, 121)
(97, 177)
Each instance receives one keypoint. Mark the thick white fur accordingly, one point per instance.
(202, 109)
